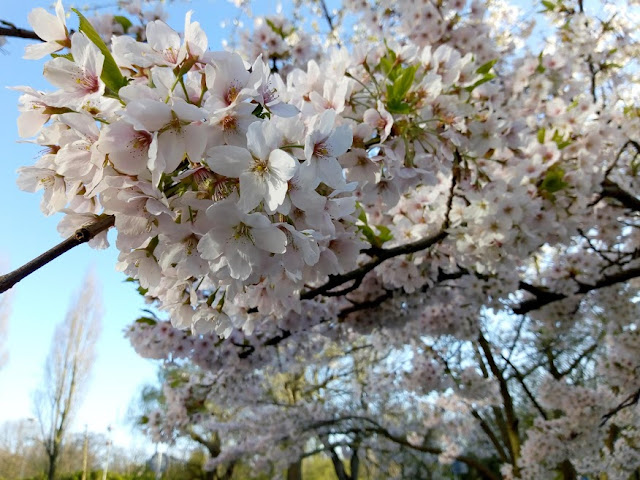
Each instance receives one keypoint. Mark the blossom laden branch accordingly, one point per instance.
(81, 235)
(381, 256)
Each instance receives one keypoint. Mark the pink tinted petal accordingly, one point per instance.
(187, 111)
(339, 141)
(196, 141)
(270, 239)
(277, 191)
(284, 110)
(282, 164)
(162, 37)
(46, 26)
(239, 262)
(330, 172)
(253, 190)
(63, 73)
(256, 141)
(325, 122)
(29, 123)
(228, 160)
(147, 114)
(39, 50)
(171, 145)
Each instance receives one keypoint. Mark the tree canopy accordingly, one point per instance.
(408, 239)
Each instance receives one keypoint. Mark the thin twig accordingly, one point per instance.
(630, 401)
(329, 20)
(82, 235)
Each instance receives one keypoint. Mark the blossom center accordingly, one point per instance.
(242, 230)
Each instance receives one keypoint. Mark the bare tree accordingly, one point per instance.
(67, 371)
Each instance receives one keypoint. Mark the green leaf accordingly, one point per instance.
(363, 216)
(142, 291)
(368, 233)
(385, 234)
(553, 180)
(146, 321)
(403, 83)
(68, 56)
(541, 134)
(386, 65)
(111, 76)
(396, 106)
(560, 141)
(124, 21)
(548, 5)
(488, 77)
(153, 243)
(486, 68)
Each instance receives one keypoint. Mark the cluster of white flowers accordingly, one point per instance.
(403, 190)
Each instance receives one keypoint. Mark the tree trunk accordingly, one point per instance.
(294, 472)
(355, 465)
(568, 472)
(53, 460)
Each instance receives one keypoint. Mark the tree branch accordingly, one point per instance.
(10, 30)
(381, 256)
(612, 190)
(329, 19)
(630, 401)
(82, 235)
(545, 297)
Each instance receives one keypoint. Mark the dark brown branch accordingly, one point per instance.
(484, 471)
(630, 401)
(329, 19)
(580, 357)
(491, 435)
(377, 301)
(477, 465)
(511, 418)
(383, 254)
(11, 30)
(520, 379)
(612, 190)
(545, 297)
(82, 235)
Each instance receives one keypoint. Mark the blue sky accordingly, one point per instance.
(42, 299)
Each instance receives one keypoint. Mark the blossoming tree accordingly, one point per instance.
(427, 174)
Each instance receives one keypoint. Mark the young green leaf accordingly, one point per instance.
(486, 68)
(111, 75)
(123, 21)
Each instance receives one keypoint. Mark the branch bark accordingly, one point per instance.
(10, 30)
(612, 190)
(82, 235)
(544, 297)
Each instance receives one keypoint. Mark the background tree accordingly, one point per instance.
(67, 371)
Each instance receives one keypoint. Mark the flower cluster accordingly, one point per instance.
(442, 194)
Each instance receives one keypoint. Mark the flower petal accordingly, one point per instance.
(228, 160)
